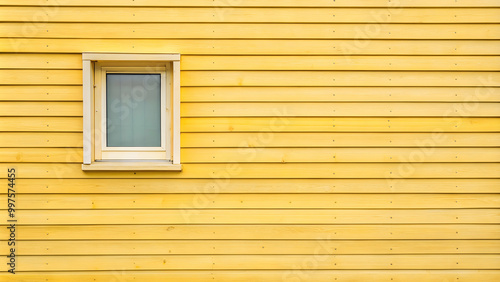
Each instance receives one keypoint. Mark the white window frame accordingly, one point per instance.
(96, 156)
(123, 153)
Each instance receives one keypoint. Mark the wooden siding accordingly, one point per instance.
(347, 140)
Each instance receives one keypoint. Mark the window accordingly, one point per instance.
(131, 111)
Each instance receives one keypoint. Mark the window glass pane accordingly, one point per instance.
(133, 110)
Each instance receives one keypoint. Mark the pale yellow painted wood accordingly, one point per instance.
(176, 113)
(212, 187)
(131, 166)
(92, 120)
(65, 77)
(40, 61)
(282, 123)
(262, 275)
(338, 78)
(447, 63)
(93, 123)
(393, 173)
(24, 109)
(88, 109)
(273, 232)
(248, 30)
(311, 140)
(252, 201)
(263, 3)
(257, 247)
(331, 155)
(156, 262)
(257, 47)
(266, 216)
(40, 93)
(43, 155)
(41, 124)
(330, 109)
(340, 94)
(230, 14)
(126, 59)
(41, 139)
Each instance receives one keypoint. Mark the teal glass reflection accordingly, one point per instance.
(133, 110)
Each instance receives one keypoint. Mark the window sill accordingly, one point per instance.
(131, 166)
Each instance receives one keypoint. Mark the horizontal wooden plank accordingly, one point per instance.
(281, 122)
(42, 155)
(331, 140)
(43, 124)
(41, 109)
(277, 155)
(40, 61)
(253, 247)
(253, 15)
(278, 94)
(252, 232)
(392, 172)
(421, 63)
(307, 155)
(23, 109)
(254, 47)
(251, 201)
(335, 78)
(194, 62)
(40, 93)
(43, 140)
(261, 275)
(157, 262)
(65, 77)
(250, 30)
(256, 216)
(264, 3)
(212, 187)
(340, 94)
(278, 78)
(245, 140)
(300, 109)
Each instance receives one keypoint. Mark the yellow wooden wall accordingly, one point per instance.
(322, 140)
